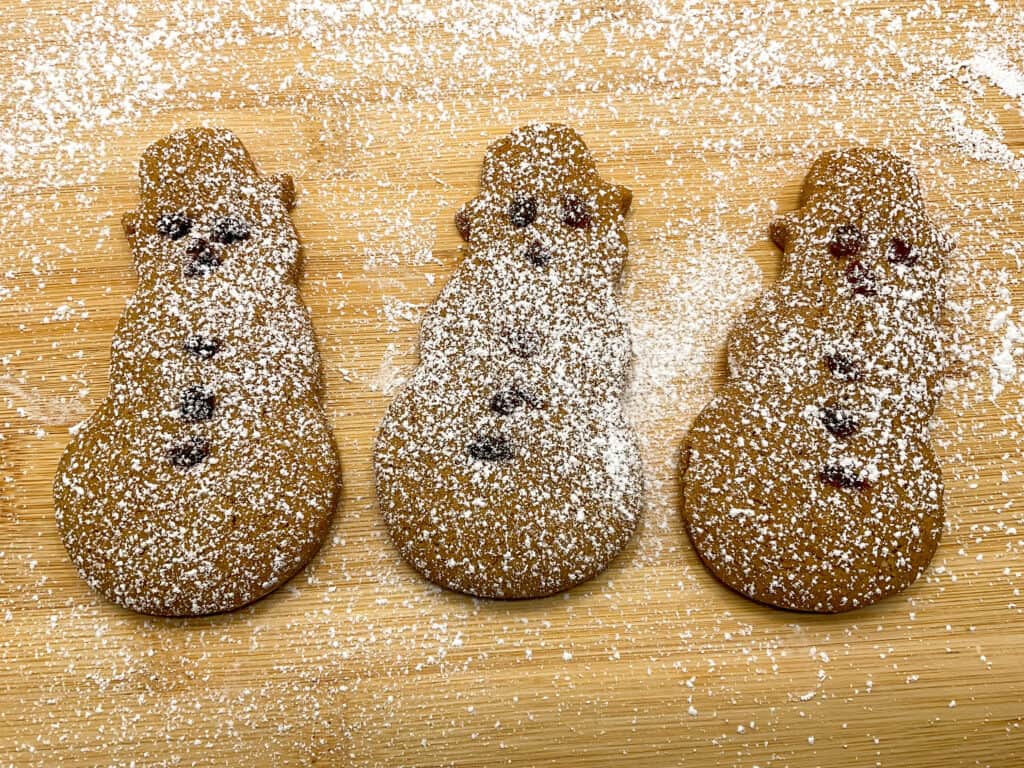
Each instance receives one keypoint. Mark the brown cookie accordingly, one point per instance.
(810, 481)
(208, 476)
(505, 468)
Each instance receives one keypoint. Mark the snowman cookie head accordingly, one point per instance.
(541, 194)
(863, 212)
(203, 202)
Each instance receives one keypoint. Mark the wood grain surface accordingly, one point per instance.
(711, 112)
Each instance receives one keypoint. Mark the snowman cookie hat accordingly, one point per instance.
(201, 167)
(514, 161)
(554, 162)
(880, 186)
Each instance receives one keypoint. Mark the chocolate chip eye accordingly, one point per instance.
(188, 452)
(537, 254)
(522, 211)
(203, 347)
(839, 421)
(174, 225)
(200, 259)
(229, 229)
(490, 447)
(840, 476)
(196, 404)
(862, 278)
(575, 212)
(847, 240)
(902, 252)
(843, 366)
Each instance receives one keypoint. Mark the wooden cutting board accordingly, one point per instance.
(711, 112)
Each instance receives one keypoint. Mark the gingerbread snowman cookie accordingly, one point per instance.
(208, 476)
(506, 468)
(810, 482)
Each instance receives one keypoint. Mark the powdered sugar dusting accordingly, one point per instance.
(678, 332)
(711, 112)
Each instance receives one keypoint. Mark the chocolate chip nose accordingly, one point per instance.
(201, 258)
(862, 278)
(537, 254)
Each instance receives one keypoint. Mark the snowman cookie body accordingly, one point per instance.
(506, 468)
(810, 482)
(208, 476)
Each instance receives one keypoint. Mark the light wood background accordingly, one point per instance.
(710, 112)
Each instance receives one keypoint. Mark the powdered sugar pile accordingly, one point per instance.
(711, 112)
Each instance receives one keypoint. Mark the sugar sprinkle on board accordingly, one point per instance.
(711, 112)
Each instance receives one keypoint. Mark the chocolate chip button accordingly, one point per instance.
(200, 259)
(174, 225)
(839, 476)
(522, 211)
(575, 212)
(229, 229)
(196, 404)
(203, 347)
(847, 240)
(537, 254)
(508, 401)
(843, 366)
(523, 342)
(490, 447)
(188, 452)
(841, 422)
(903, 253)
